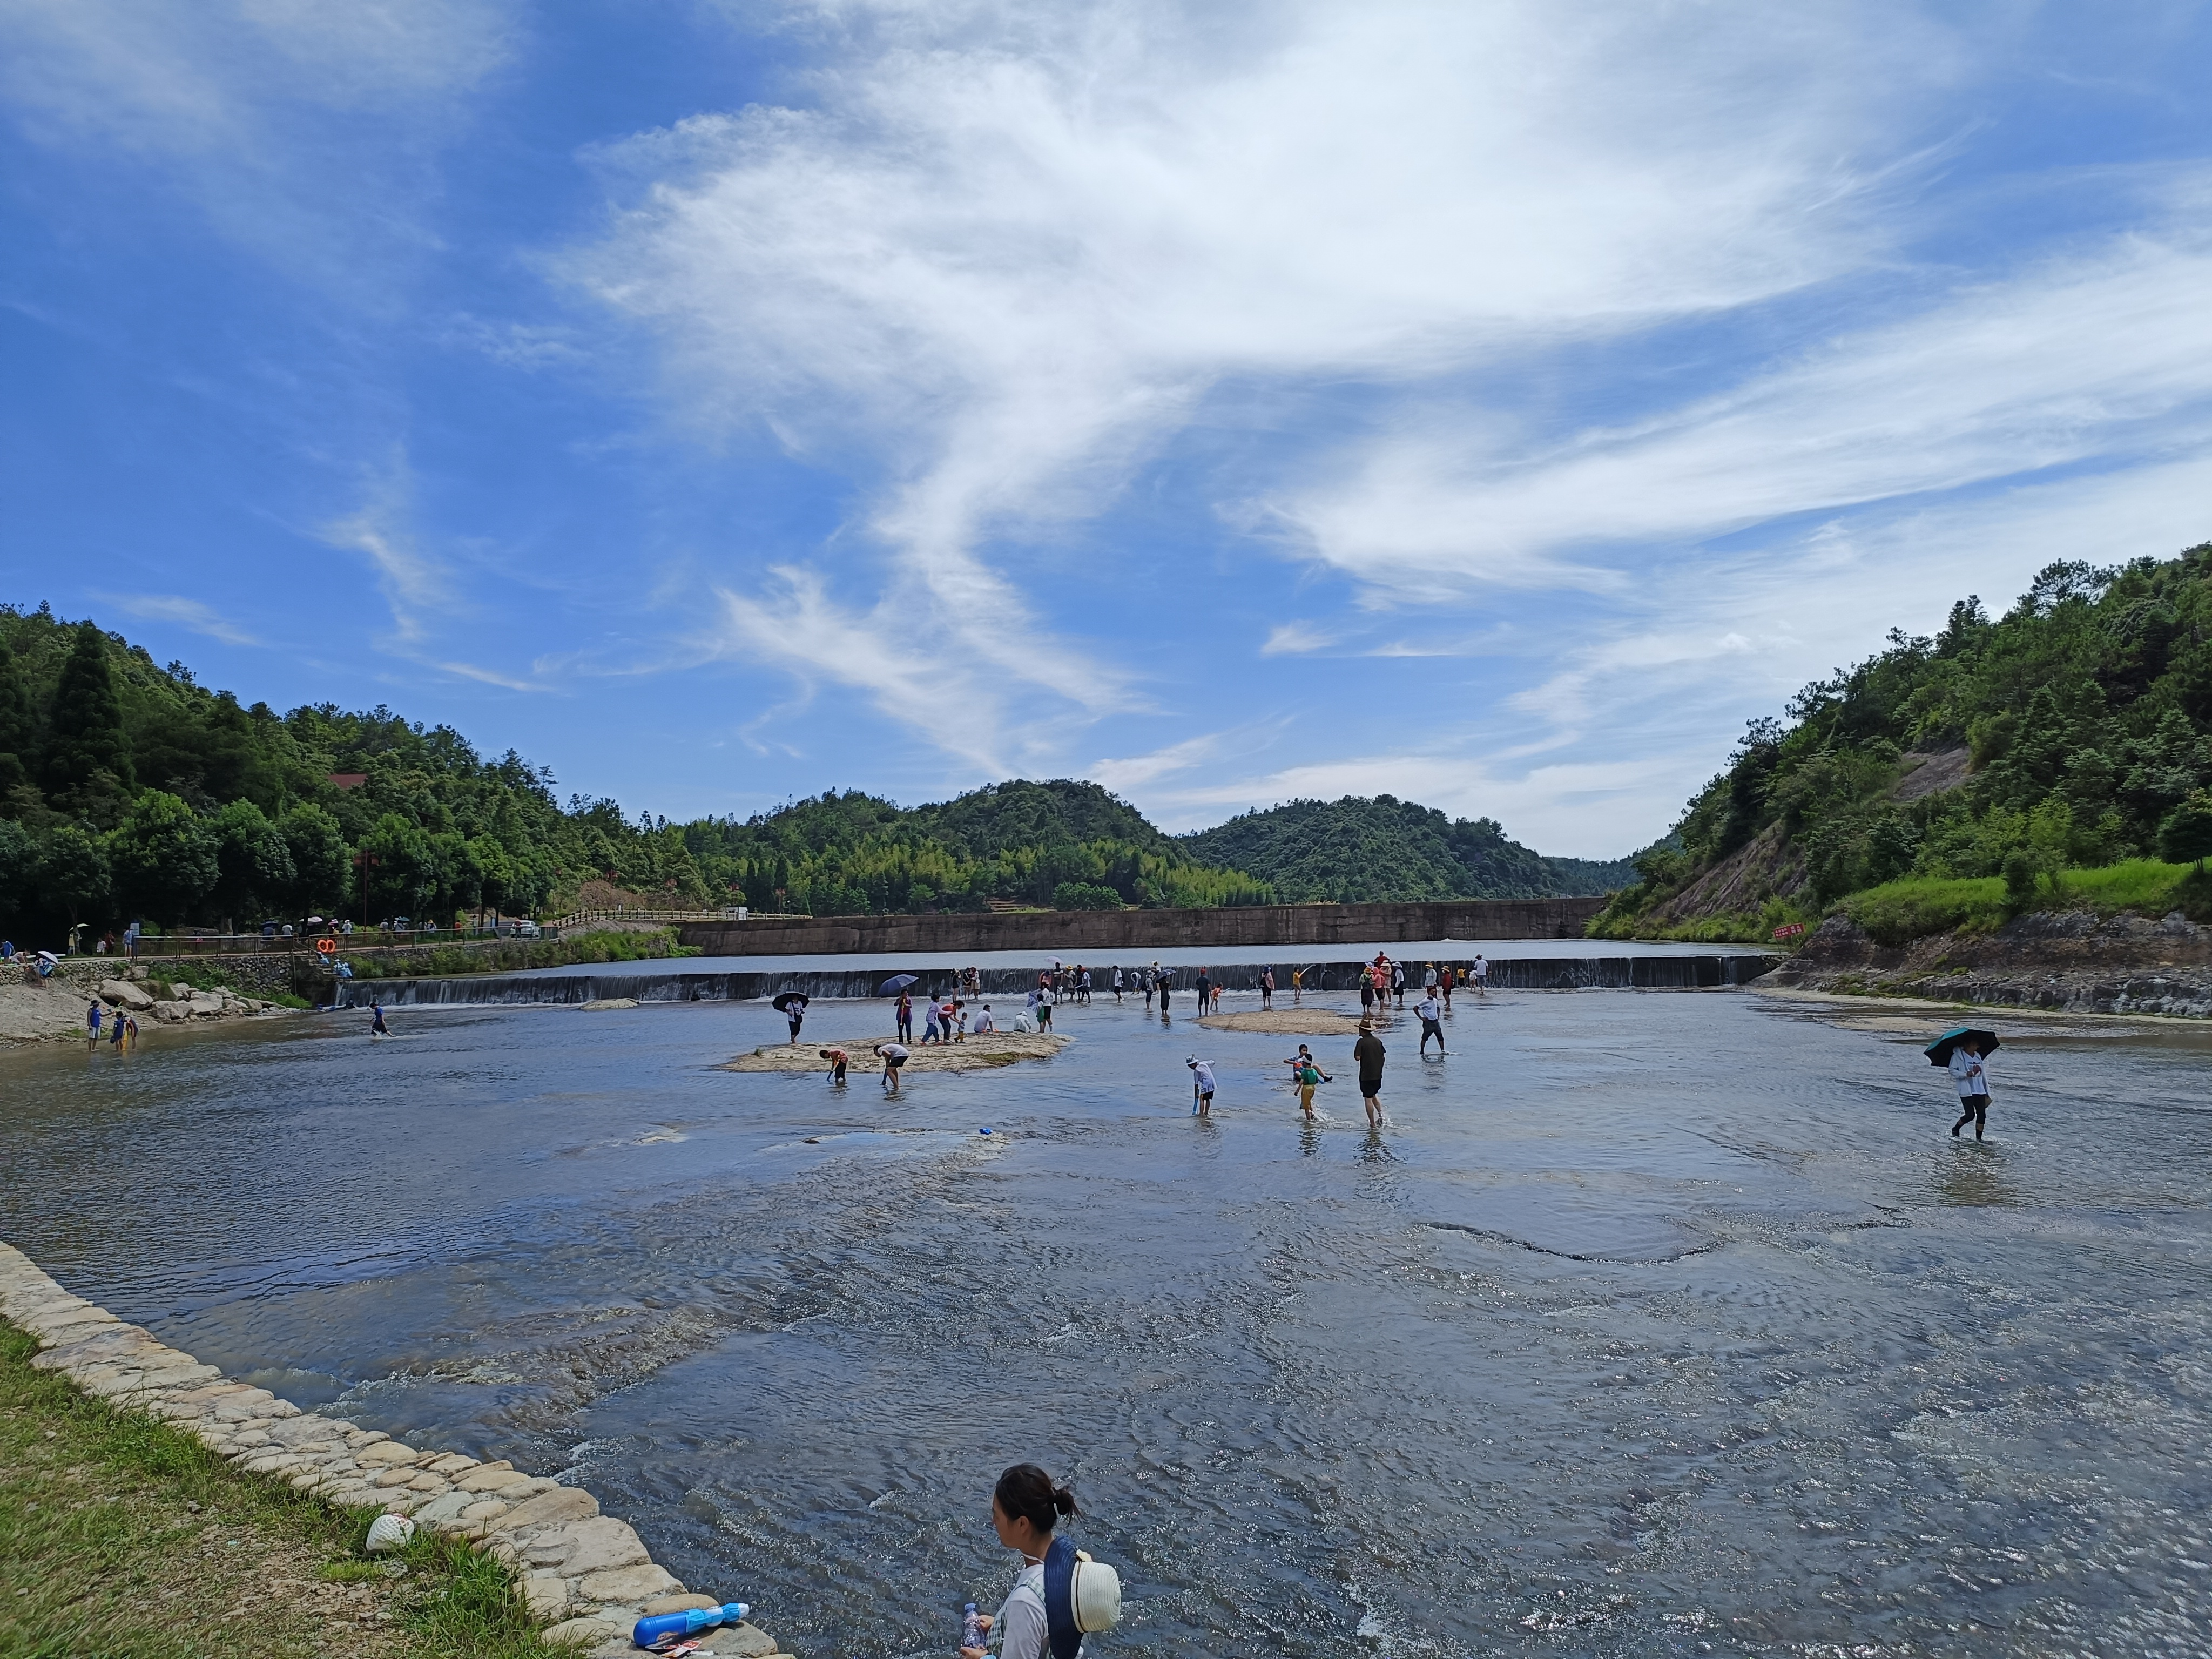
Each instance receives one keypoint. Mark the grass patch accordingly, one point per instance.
(122, 1535)
(1897, 912)
(2143, 885)
(454, 960)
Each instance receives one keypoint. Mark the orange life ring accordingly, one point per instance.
(328, 947)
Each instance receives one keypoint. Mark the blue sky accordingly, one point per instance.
(1492, 404)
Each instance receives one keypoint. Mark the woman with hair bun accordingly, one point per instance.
(1025, 1506)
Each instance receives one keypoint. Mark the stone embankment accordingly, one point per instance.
(2072, 961)
(587, 1575)
(32, 1010)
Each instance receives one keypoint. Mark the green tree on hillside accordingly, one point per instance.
(87, 761)
(255, 872)
(2186, 835)
(320, 873)
(73, 872)
(165, 858)
(18, 726)
(19, 870)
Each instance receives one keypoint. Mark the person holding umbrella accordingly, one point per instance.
(1960, 1052)
(792, 1005)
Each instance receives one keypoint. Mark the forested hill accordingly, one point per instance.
(130, 790)
(1357, 850)
(2070, 734)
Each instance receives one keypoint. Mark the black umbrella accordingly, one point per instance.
(896, 983)
(1939, 1051)
(784, 999)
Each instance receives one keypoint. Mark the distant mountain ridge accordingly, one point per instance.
(1381, 849)
(129, 791)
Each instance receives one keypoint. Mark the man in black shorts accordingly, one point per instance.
(1367, 1051)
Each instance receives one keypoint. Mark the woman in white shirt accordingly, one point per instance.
(1025, 1506)
(1973, 1082)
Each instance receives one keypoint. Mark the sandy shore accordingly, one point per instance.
(976, 1054)
(1291, 1022)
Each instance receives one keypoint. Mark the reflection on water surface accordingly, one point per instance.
(1647, 1324)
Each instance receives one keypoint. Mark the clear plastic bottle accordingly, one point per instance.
(972, 1634)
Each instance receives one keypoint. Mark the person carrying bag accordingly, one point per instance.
(1061, 1594)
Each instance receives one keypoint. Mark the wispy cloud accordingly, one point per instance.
(302, 130)
(2080, 361)
(1006, 253)
(187, 613)
(1294, 639)
(419, 591)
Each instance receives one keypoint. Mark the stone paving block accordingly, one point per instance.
(561, 1504)
(488, 1480)
(591, 1545)
(390, 1453)
(635, 1583)
(546, 1598)
(682, 1603)
(587, 1630)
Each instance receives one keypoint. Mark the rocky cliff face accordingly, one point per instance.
(2071, 960)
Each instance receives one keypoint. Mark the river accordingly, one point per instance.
(1650, 1323)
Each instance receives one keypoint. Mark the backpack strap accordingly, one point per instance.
(1065, 1638)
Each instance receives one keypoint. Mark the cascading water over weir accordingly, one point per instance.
(1716, 971)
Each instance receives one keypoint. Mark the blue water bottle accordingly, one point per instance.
(971, 1628)
(689, 1622)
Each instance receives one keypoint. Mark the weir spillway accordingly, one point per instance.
(1716, 971)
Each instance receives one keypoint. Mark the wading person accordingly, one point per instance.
(1164, 997)
(1298, 986)
(1973, 1081)
(377, 1028)
(905, 1024)
(1044, 1011)
(1481, 976)
(1433, 1014)
(1205, 991)
(796, 1013)
(1025, 1506)
(1117, 987)
(1369, 1052)
(92, 1013)
(1366, 997)
(1201, 1087)
(1444, 984)
(1266, 989)
(1310, 1077)
(837, 1058)
(893, 1054)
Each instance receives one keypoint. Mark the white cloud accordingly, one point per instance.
(1011, 248)
(304, 130)
(1137, 770)
(188, 613)
(2088, 360)
(1294, 639)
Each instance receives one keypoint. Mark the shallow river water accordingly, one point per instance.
(1649, 1323)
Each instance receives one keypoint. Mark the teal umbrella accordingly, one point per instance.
(1939, 1051)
